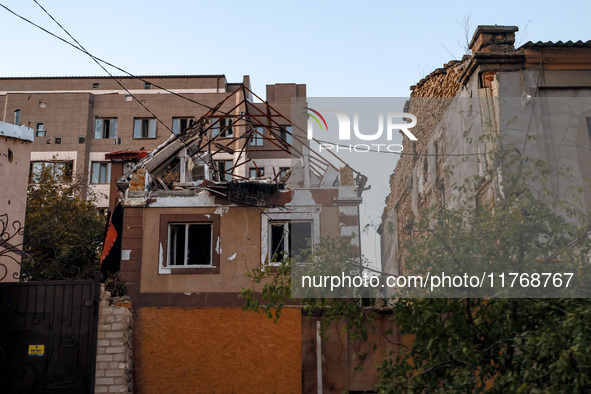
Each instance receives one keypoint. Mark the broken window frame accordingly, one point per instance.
(276, 215)
(212, 220)
(222, 127)
(227, 164)
(181, 123)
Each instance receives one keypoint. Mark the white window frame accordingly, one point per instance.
(273, 215)
(99, 126)
(176, 123)
(138, 128)
(169, 264)
(219, 124)
(100, 166)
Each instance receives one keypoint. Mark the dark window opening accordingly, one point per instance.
(190, 244)
(291, 238)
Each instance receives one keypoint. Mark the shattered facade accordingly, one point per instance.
(497, 90)
(228, 194)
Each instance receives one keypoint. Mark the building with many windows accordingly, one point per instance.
(77, 120)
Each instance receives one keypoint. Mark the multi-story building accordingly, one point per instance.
(77, 120)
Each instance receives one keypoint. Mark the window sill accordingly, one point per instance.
(195, 269)
(143, 138)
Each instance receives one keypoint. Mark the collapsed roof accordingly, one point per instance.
(211, 153)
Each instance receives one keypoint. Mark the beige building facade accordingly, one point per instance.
(77, 120)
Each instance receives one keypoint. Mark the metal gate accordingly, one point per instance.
(48, 336)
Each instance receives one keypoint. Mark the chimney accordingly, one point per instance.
(493, 38)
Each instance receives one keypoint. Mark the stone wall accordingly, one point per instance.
(114, 346)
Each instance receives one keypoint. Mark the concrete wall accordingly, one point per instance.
(223, 350)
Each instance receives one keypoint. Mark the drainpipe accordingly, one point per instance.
(5, 107)
(318, 358)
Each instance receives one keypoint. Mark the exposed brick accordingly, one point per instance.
(117, 389)
(103, 342)
(115, 349)
(117, 334)
(105, 381)
(119, 357)
(104, 357)
(119, 326)
(115, 372)
(103, 365)
(101, 389)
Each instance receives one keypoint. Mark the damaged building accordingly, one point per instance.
(236, 188)
(536, 97)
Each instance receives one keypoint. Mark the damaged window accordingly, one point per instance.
(289, 238)
(221, 127)
(189, 244)
(224, 170)
(144, 128)
(180, 124)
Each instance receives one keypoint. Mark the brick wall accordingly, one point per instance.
(114, 346)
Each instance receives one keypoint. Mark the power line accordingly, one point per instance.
(103, 67)
(104, 61)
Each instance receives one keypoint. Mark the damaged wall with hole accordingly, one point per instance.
(206, 207)
(539, 89)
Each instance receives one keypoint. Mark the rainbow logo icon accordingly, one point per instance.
(316, 118)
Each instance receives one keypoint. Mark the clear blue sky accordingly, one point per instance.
(344, 48)
(339, 49)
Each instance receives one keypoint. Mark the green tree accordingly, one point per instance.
(63, 231)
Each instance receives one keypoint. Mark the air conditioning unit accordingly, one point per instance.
(57, 140)
(118, 141)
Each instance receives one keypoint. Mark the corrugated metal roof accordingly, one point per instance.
(557, 44)
(119, 76)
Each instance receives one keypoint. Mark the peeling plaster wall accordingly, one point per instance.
(403, 201)
(454, 127)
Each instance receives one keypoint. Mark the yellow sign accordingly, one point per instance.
(36, 350)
